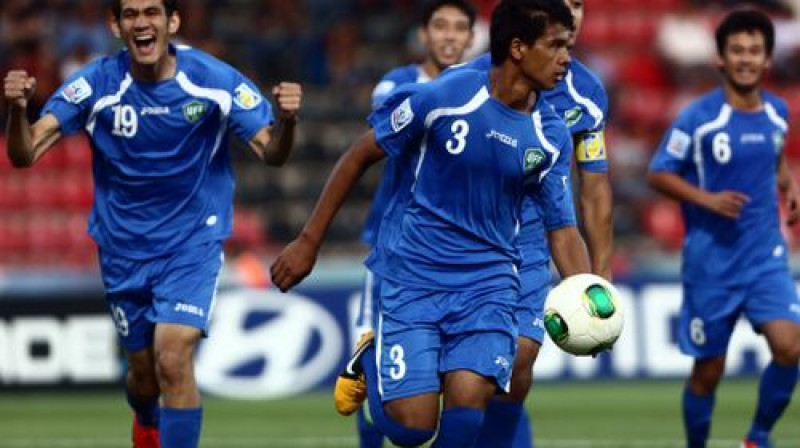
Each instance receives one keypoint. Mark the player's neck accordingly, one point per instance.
(162, 70)
(431, 69)
(509, 87)
(748, 101)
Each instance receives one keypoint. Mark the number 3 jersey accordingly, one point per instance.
(473, 161)
(716, 148)
(161, 165)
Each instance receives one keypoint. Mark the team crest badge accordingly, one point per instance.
(534, 157)
(245, 97)
(778, 141)
(194, 111)
(573, 116)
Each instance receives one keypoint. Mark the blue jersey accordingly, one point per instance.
(715, 148)
(476, 160)
(581, 101)
(161, 166)
(392, 173)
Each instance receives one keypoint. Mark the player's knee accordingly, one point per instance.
(404, 436)
(787, 354)
(172, 368)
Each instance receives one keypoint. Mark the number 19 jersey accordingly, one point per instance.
(161, 166)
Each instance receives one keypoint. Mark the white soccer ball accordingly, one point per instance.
(583, 314)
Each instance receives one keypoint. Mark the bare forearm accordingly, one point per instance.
(568, 251)
(676, 188)
(19, 139)
(278, 149)
(597, 215)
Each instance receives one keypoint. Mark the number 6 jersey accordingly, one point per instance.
(717, 148)
(161, 166)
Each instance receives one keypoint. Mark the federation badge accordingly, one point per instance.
(245, 97)
(194, 110)
(77, 91)
(779, 141)
(533, 159)
(402, 115)
(573, 116)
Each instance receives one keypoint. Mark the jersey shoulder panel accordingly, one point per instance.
(206, 70)
(779, 104)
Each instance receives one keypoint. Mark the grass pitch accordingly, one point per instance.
(567, 415)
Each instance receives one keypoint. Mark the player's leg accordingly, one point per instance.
(507, 423)
(477, 356)
(401, 366)
(368, 435)
(183, 299)
(130, 302)
(707, 318)
(774, 310)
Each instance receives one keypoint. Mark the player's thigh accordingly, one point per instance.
(783, 337)
(707, 318)
(481, 335)
(185, 290)
(408, 341)
(772, 297)
(417, 412)
(369, 305)
(130, 300)
(467, 389)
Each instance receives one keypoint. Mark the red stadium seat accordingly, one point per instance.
(661, 220)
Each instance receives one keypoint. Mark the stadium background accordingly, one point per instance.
(59, 363)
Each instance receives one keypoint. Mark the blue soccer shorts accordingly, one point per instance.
(424, 333)
(178, 288)
(535, 283)
(709, 313)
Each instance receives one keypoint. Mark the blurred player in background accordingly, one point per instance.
(158, 117)
(446, 250)
(724, 160)
(581, 100)
(446, 33)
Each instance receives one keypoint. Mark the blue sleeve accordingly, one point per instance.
(555, 193)
(72, 103)
(382, 91)
(674, 153)
(590, 145)
(249, 111)
(400, 121)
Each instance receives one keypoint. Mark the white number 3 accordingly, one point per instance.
(398, 370)
(460, 130)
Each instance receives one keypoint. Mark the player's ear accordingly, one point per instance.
(173, 23)
(517, 49)
(113, 25)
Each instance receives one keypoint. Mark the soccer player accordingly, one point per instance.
(581, 100)
(158, 117)
(446, 33)
(724, 160)
(446, 252)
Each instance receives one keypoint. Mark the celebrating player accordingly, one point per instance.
(475, 148)
(158, 117)
(446, 32)
(722, 159)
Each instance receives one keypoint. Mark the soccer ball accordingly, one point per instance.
(583, 314)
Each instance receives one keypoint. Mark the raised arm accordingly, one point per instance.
(596, 204)
(274, 144)
(26, 143)
(297, 259)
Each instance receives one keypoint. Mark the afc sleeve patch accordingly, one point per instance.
(245, 97)
(77, 91)
(678, 143)
(591, 147)
(402, 115)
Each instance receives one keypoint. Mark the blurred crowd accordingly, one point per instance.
(653, 57)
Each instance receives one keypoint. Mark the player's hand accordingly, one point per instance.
(293, 264)
(287, 96)
(18, 88)
(728, 203)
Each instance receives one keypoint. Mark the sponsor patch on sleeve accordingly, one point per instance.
(402, 115)
(245, 97)
(678, 144)
(77, 91)
(591, 147)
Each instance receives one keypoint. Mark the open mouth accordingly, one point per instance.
(145, 44)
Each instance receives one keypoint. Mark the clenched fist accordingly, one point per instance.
(288, 96)
(18, 87)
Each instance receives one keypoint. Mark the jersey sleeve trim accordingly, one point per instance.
(594, 110)
(775, 117)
